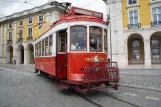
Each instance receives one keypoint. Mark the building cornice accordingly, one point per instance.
(155, 2)
(30, 12)
(112, 1)
(143, 29)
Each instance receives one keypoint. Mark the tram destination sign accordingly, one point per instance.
(76, 10)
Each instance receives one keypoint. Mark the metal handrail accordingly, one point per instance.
(134, 26)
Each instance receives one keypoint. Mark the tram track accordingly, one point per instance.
(89, 100)
(113, 97)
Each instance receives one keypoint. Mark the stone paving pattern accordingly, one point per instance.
(20, 87)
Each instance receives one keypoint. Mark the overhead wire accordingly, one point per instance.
(89, 3)
(11, 1)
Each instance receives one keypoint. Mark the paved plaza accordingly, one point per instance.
(21, 87)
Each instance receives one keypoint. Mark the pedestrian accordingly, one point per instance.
(14, 61)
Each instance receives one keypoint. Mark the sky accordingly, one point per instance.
(8, 7)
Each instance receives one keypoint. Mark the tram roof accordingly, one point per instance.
(76, 15)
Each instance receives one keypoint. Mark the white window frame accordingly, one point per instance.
(29, 21)
(9, 26)
(19, 33)
(20, 23)
(9, 35)
(39, 18)
(31, 32)
(152, 12)
(132, 9)
(132, 4)
(40, 22)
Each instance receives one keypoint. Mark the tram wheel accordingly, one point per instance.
(36, 71)
(44, 73)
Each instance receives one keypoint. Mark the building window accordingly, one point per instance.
(41, 18)
(95, 38)
(30, 32)
(133, 19)
(156, 16)
(30, 20)
(78, 38)
(132, 2)
(136, 49)
(155, 43)
(50, 44)
(10, 25)
(20, 33)
(10, 36)
(156, 53)
(21, 23)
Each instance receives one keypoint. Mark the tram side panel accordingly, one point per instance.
(46, 64)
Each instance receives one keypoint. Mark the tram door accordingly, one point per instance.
(62, 55)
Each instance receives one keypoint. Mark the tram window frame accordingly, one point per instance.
(85, 33)
(50, 44)
(43, 46)
(39, 48)
(105, 41)
(36, 50)
(91, 40)
(46, 46)
(62, 42)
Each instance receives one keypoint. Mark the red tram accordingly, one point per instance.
(74, 50)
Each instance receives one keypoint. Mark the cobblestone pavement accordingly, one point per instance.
(146, 79)
(20, 87)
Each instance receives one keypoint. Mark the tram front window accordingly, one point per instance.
(78, 38)
(95, 39)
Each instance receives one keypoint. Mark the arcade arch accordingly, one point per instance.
(135, 49)
(155, 44)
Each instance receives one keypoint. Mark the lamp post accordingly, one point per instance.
(109, 24)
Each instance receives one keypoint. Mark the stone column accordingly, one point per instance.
(26, 55)
(4, 40)
(14, 33)
(18, 56)
(1, 41)
(147, 52)
(126, 52)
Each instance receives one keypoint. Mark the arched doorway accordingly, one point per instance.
(10, 54)
(31, 53)
(155, 44)
(135, 49)
(21, 48)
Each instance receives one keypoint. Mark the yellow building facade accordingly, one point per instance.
(136, 31)
(19, 30)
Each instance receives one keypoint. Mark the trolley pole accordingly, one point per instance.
(110, 35)
(109, 21)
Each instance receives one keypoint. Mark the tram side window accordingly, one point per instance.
(35, 49)
(46, 46)
(62, 43)
(105, 41)
(95, 38)
(42, 47)
(78, 38)
(50, 44)
(39, 47)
